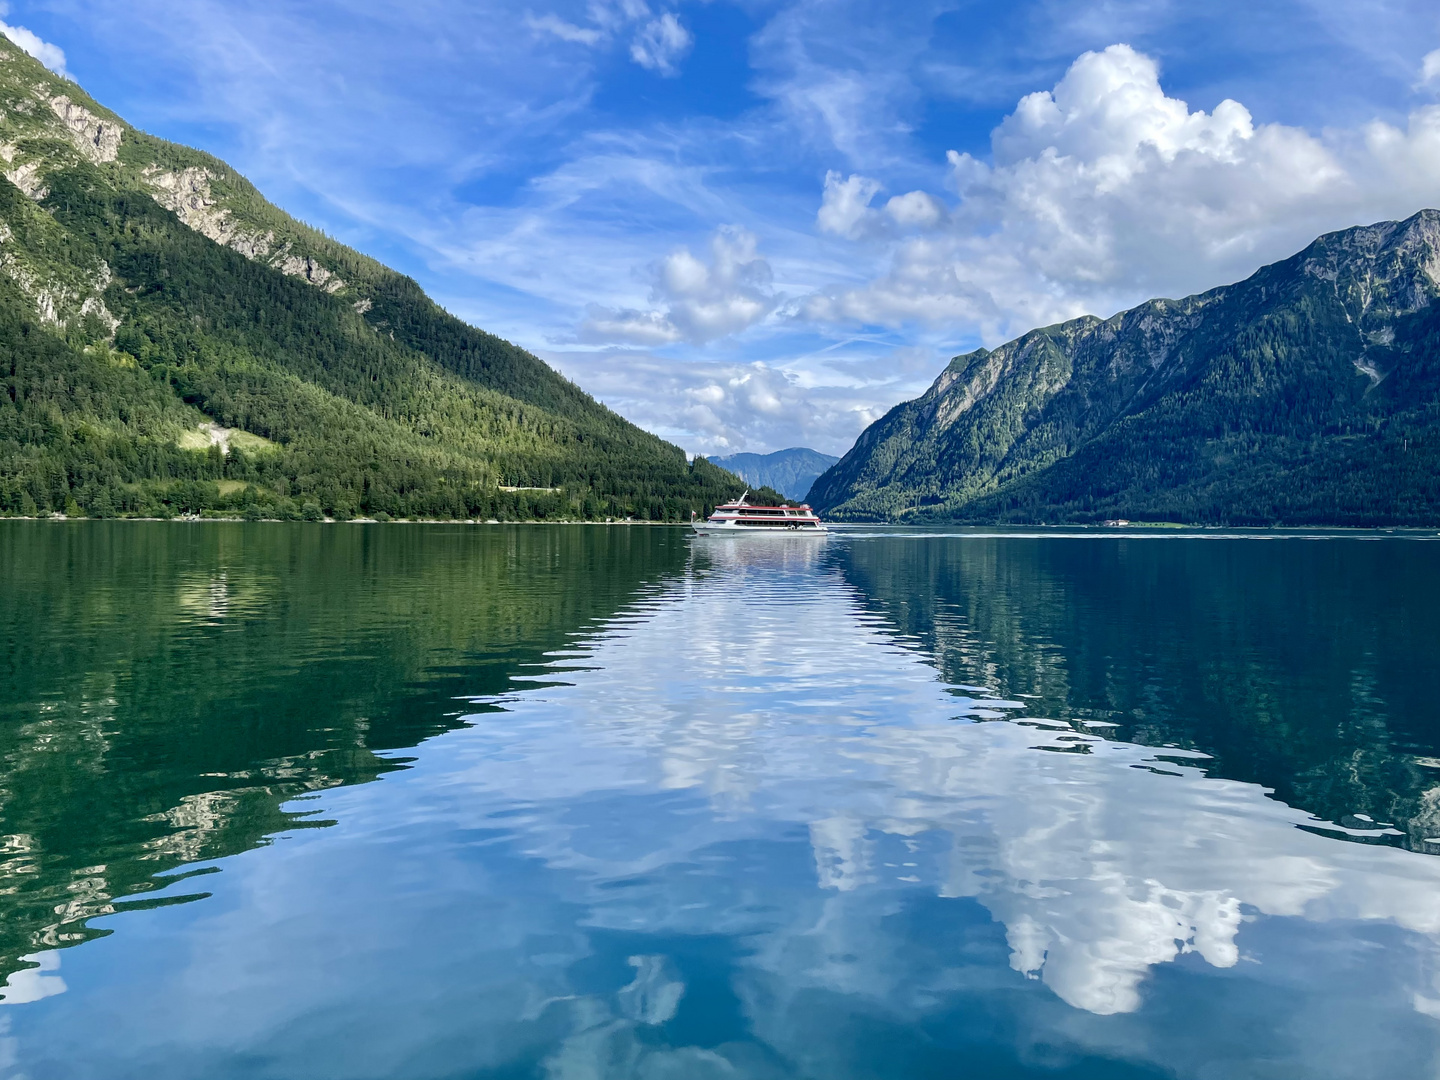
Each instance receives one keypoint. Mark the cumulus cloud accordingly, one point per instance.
(694, 300)
(845, 208)
(52, 56)
(661, 43)
(722, 406)
(1104, 191)
(565, 31)
(917, 209)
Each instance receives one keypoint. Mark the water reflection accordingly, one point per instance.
(166, 688)
(1099, 864)
(743, 829)
(1304, 666)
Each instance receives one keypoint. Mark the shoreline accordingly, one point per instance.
(1134, 530)
(188, 519)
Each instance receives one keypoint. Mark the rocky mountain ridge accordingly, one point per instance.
(41, 123)
(1306, 393)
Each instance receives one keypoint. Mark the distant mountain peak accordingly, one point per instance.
(790, 471)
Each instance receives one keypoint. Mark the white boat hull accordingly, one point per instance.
(706, 528)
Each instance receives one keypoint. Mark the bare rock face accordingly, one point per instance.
(27, 178)
(98, 140)
(311, 271)
(45, 307)
(93, 305)
(187, 192)
(59, 299)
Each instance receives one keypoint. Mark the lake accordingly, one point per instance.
(355, 801)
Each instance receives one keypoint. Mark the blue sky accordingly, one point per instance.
(751, 224)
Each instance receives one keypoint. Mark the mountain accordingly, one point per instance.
(1308, 393)
(790, 472)
(172, 342)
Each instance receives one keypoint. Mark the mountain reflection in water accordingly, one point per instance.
(738, 825)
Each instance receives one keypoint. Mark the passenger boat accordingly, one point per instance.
(745, 517)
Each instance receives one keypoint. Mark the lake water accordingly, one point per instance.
(355, 801)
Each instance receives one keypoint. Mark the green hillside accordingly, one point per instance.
(170, 342)
(1307, 394)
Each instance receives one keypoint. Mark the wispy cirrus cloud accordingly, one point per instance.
(658, 43)
(565, 31)
(661, 43)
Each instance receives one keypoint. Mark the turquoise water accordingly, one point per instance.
(289, 800)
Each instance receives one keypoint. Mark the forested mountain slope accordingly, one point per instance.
(170, 341)
(1307, 394)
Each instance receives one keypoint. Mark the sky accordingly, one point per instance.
(754, 224)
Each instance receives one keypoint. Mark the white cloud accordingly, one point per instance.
(613, 15)
(661, 43)
(845, 209)
(723, 406)
(701, 301)
(1104, 191)
(658, 45)
(565, 31)
(916, 209)
(1109, 109)
(1430, 68)
(52, 56)
(628, 325)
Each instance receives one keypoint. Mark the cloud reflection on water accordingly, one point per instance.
(776, 694)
